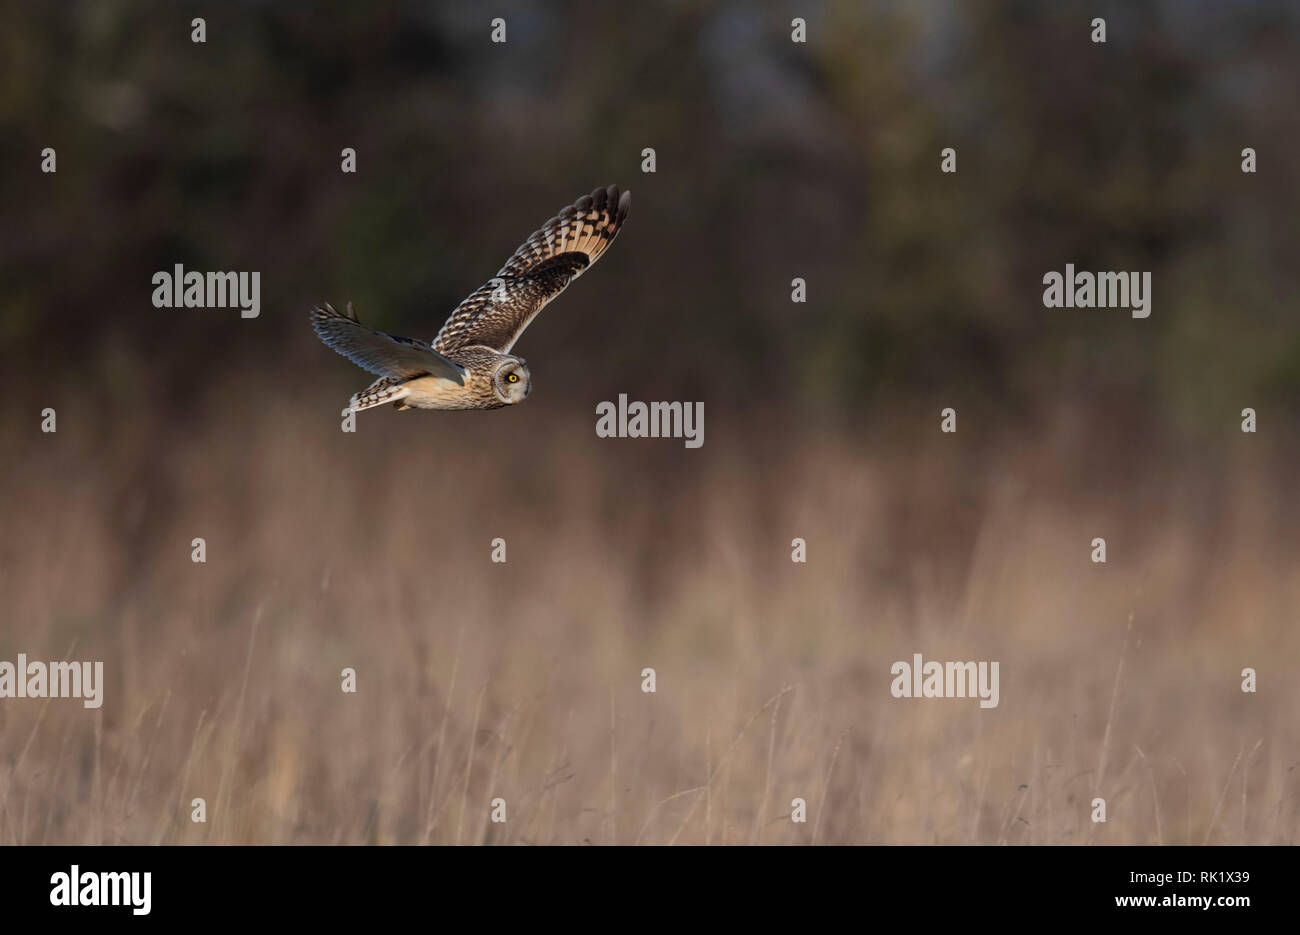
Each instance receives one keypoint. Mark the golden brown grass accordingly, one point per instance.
(523, 680)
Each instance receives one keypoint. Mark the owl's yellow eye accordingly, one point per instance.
(513, 378)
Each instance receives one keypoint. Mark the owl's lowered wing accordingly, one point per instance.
(384, 354)
(497, 313)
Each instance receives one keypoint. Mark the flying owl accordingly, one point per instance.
(469, 364)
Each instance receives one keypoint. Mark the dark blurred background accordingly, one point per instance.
(775, 160)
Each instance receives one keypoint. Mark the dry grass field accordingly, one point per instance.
(522, 680)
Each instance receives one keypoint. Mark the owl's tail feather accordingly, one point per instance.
(383, 390)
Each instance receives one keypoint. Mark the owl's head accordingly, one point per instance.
(512, 381)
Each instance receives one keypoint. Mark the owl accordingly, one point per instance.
(469, 365)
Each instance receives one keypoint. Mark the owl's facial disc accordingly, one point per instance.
(512, 381)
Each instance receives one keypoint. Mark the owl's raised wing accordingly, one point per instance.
(497, 313)
(384, 354)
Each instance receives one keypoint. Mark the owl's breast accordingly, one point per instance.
(430, 392)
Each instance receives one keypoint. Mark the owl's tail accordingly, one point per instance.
(383, 390)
